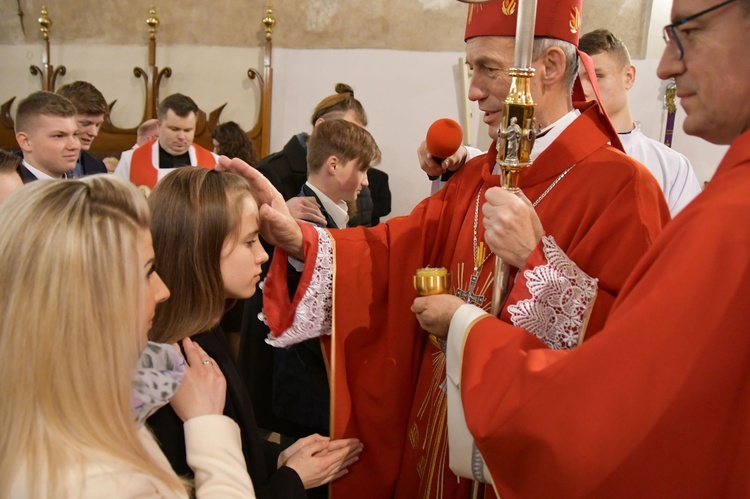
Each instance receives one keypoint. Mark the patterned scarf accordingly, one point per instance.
(158, 374)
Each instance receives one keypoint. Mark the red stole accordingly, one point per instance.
(144, 172)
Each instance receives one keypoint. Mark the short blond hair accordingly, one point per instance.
(42, 103)
(602, 40)
(71, 301)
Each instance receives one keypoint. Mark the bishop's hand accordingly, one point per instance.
(435, 312)
(277, 226)
(512, 228)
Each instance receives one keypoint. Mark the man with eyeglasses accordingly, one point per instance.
(658, 404)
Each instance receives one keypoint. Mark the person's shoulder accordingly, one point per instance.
(270, 160)
(378, 174)
(660, 148)
(127, 155)
(104, 475)
(202, 149)
(92, 164)
(122, 483)
(615, 164)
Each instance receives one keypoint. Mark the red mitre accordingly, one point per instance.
(559, 19)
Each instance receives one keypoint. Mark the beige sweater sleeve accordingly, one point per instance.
(214, 452)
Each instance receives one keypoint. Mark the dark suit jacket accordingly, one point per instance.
(90, 165)
(301, 392)
(364, 213)
(260, 455)
(26, 175)
(381, 194)
(287, 169)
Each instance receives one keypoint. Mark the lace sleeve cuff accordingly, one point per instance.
(312, 317)
(562, 297)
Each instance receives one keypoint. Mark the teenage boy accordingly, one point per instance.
(47, 133)
(339, 153)
(615, 75)
(91, 108)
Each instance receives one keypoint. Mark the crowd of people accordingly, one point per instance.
(160, 322)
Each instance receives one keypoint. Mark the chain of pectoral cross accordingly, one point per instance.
(481, 255)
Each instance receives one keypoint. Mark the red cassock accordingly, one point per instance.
(658, 404)
(385, 374)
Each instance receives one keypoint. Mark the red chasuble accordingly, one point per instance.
(658, 404)
(385, 374)
(144, 172)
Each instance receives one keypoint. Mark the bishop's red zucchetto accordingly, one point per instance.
(559, 19)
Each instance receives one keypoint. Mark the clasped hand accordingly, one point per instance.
(319, 460)
(512, 228)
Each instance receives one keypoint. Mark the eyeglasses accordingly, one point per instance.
(670, 30)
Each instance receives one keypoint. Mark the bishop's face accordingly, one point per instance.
(490, 58)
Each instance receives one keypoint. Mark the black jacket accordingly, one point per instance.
(260, 455)
(380, 193)
(287, 169)
(90, 165)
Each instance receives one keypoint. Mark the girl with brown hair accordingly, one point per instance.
(205, 230)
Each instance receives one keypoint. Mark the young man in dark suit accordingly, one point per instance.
(91, 108)
(47, 134)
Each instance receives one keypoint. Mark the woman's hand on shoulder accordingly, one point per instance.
(203, 389)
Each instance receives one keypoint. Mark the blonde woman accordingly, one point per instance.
(205, 230)
(78, 290)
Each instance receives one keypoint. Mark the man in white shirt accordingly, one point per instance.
(616, 76)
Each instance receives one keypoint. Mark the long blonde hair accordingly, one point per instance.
(71, 291)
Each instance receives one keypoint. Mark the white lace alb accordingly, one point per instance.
(561, 298)
(312, 318)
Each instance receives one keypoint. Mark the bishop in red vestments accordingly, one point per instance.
(657, 405)
(599, 207)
